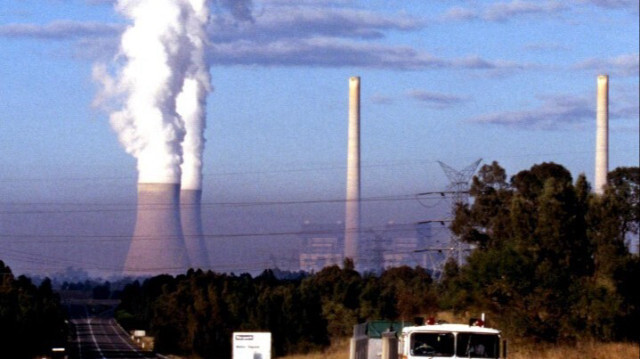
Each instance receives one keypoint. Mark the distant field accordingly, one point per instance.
(589, 350)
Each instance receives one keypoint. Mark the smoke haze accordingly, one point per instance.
(159, 80)
(191, 102)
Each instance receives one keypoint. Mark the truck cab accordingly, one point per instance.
(451, 341)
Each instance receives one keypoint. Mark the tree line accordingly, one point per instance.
(32, 320)
(550, 263)
(196, 313)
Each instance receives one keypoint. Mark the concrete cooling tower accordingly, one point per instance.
(191, 219)
(158, 244)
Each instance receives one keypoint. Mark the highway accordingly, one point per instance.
(98, 336)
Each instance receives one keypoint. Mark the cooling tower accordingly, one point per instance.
(191, 219)
(352, 210)
(157, 245)
(602, 134)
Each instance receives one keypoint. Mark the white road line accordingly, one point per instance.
(120, 343)
(93, 337)
(125, 338)
(79, 342)
(86, 314)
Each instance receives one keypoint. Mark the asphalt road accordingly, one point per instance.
(97, 336)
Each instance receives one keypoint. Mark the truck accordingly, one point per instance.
(443, 340)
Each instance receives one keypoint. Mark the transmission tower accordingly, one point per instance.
(459, 186)
(459, 181)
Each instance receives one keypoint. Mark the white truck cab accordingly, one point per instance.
(451, 341)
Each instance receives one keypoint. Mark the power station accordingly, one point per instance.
(168, 235)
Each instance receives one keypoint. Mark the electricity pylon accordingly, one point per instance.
(459, 186)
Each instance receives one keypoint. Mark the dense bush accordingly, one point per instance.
(31, 318)
(196, 314)
(551, 261)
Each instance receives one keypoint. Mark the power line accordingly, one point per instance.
(394, 163)
(134, 207)
(96, 238)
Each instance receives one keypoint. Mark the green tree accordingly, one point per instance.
(613, 218)
(31, 317)
(340, 292)
(195, 314)
(546, 251)
(409, 289)
(487, 220)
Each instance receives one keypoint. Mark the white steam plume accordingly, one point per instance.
(191, 102)
(161, 55)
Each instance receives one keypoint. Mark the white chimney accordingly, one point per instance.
(352, 210)
(602, 134)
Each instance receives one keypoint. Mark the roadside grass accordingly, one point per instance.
(339, 349)
(582, 350)
(587, 350)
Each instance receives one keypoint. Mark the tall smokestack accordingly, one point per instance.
(602, 134)
(352, 210)
(157, 245)
(191, 220)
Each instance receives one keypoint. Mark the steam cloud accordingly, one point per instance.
(161, 79)
(191, 101)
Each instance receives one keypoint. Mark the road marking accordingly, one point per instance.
(79, 341)
(93, 337)
(124, 339)
(113, 338)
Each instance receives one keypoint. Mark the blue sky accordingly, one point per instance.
(451, 81)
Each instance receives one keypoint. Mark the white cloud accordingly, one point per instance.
(304, 21)
(381, 99)
(623, 65)
(504, 11)
(631, 5)
(508, 10)
(240, 9)
(555, 112)
(545, 46)
(60, 30)
(335, 52)
(101, 2)
(460, 14)
(559, 112)
(322, 51)
(281, 35)
(435, 99)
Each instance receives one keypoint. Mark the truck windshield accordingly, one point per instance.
(478, 345)
(432, 344)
